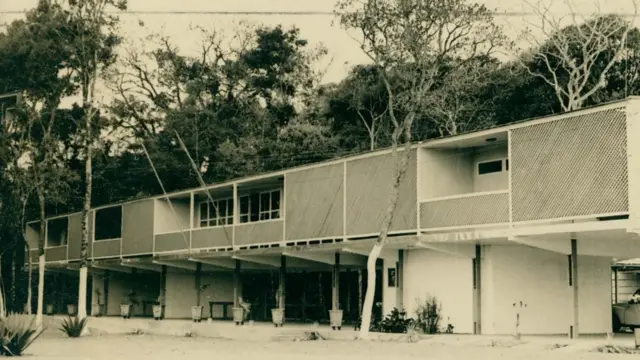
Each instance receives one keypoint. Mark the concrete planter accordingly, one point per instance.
(277, 316)
(196, 313)
(49, 309)
(238, 315)
(157, 312)
(335, 319)
(636, 337)
(125, 311)
(72, 309)
(97, 310)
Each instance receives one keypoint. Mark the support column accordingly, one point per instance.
(335, 302)
(198, 282)
(163, 288)
(478, 288)
(105, 291)
(400, 280)
(237, 284)
(575, 328)
(282, 284)
(615, 286)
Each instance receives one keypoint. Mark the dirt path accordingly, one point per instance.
(142, 347)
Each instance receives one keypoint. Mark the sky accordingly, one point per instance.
(316, 28)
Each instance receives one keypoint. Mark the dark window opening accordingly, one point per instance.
(108, 223)
(490, 167)
(57, 232)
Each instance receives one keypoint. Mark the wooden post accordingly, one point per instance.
(198, 282)
(399, 280)
(335, 301)
(237, 291)
(282, 284)
(478, 280)
(575, 329)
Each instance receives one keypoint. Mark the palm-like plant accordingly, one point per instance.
(17, 333)
(73, 326)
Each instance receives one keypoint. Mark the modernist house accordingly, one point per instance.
(532, 212)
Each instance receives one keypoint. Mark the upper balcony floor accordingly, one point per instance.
(567, 167)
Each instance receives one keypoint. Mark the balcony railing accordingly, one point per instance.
(464, 210)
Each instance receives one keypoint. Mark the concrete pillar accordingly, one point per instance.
(282, 284)
(237, 284)
(105, 291)
(163, 282)
(615, 286)
(400, 280)
(198, 282)
(335, 302)
(478, 288)
(574, 330)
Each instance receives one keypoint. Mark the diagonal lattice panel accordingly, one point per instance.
(570, 167)
(481, 209)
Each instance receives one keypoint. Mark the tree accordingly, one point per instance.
(419, 35)
(94, 30)
(33, 55)
(575, 60)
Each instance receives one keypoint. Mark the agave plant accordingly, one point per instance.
(73, 326)
(17, 333)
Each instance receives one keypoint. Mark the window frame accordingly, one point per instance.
(504, 166)
(271, 213)
(217, 220)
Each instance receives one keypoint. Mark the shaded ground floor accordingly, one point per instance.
(489, 282)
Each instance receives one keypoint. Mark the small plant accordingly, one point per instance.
(17, 333)
(395, 322)
(429, 316)
(73, 326)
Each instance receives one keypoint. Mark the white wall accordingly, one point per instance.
(494, 181)
(181, 293)
(539, 278)
(165, 220)
(146, 287)
(445, 173)
(447, 277)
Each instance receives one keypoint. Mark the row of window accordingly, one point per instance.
(256, 207)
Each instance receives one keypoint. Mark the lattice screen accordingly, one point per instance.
(472, 210)
(570, 167)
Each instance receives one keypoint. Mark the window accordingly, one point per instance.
(57, 232)
(270, 205)
(494, 166)
(216, 213)
(108, 223)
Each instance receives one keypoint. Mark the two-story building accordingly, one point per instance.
(532, 212)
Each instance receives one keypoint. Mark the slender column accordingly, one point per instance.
(478, 280)
(198, 282)
(574, 330)
(105, 291)
(335, 303)
(282, 285)
(615, 286)
(237, 285)
(399, 280)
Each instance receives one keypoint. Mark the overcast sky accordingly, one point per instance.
(317, 28)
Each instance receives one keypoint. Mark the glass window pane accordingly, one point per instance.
(230, 207)
(275, 200)
(222, 208)
(213, 210)
(204, 223)
(222, 221)
(264, 202)
(213, 222)
(244, 205)
(230, 220)
(203, 211)
(244, 218)
(275, 214)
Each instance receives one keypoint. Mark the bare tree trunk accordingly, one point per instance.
(84, 247)
(41, 243)
(3, 307)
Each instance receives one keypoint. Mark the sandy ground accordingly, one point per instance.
(164, 347)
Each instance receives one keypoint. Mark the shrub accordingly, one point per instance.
(73, 326)
(17, 333)
(395, 322)
(429, 316)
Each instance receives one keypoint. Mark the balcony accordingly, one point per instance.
(475, 209)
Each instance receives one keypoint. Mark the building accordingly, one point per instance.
(531, 213)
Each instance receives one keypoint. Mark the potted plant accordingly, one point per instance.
(277, 314)
(335, 319)
(49, 309)
(126, 305)
(158, 308)
(196, 311)
(238, 312)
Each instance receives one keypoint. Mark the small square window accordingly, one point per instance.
(490, 167)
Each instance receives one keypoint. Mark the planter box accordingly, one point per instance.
(157, 312)
(125, 311)
(98, 310)
(238, 315)
(277, 316)
(335, 319)
(72, 309)
(196, 313)
(49, 309)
